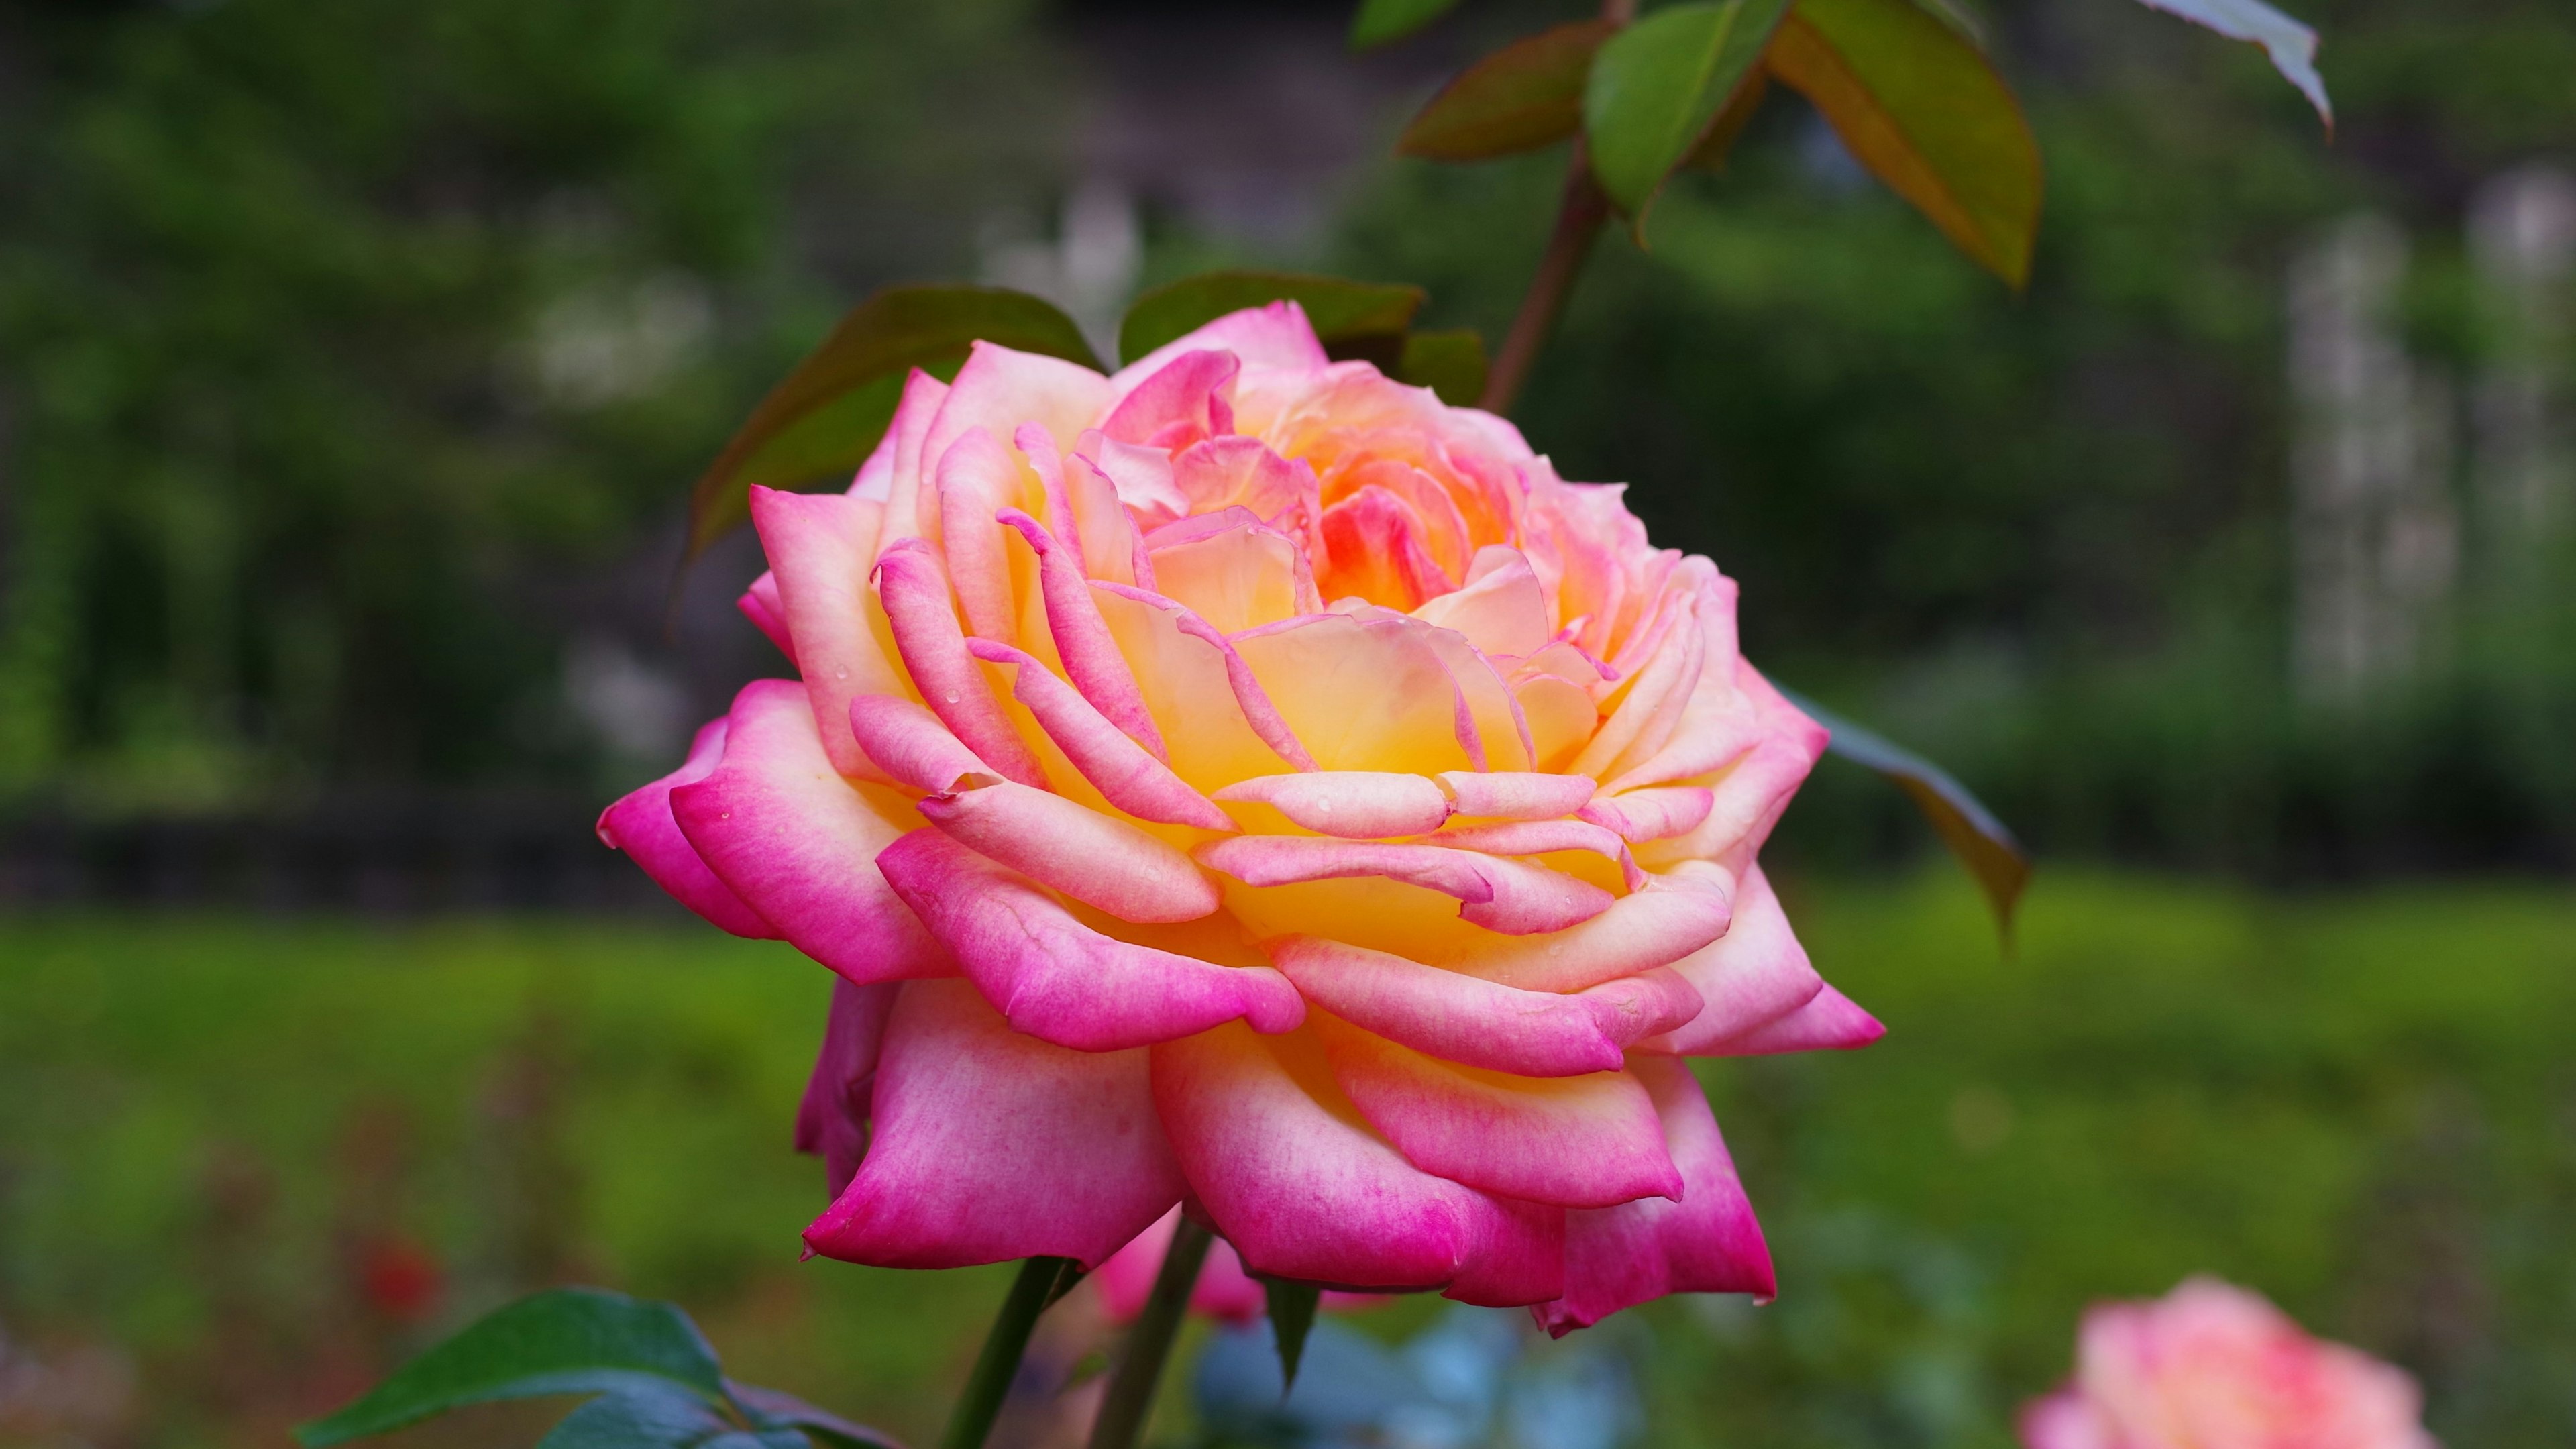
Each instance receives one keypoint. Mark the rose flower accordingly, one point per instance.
(1245, 782)
(2210, 1366)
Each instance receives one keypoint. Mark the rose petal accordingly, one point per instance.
(1083, 641)
(1708, 1242)
(1828, 1022)
(915, 591)
(1459, 1018)
(910, 744)
(1232, 569)
(1516, 795)
(1580, 1141)
(1503, 895)
(641, 824)
(1757, 973)
(1189, 391)
(798, 843)
(818, 545)
(760, 604)
(832, 1120)
(1357, 804)
(978, 478)
(1094, 858)
(1360, 694)
(1224, 1290)
(1056, 978)
(1199, 687)
(992, 1145)
(1114, 763)
(1289, 1175)
(1275, 336)
(1656, 814)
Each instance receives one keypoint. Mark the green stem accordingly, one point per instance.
(1149, 1342)
(999, 1363)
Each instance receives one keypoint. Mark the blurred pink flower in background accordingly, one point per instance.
(2212, 1366)
(1246, 780)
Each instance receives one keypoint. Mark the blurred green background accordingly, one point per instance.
(355, 358)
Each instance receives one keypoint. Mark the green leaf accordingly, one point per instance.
(1292, 1317)
(568, 1341)
(826, 417)
(777, 1410)
(1915, 101)
(1350, 318)
(1380, 21)
(1972, 832)
(2292, 46)
(661, 1419)
(1658, 86)
(1713, 149)
(1526, 95)
(1449, 362)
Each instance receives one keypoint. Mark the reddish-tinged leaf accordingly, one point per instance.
(1917, 103)
(1658, 86)
(826, 416)
(1526, 95)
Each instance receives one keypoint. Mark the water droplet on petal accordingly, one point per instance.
(952, 696)
(841, 673)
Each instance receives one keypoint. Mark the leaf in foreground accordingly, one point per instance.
(824, 419)
(1915, 101)
(568, 1341)
(1526, 95)
(1974, 835)
(1658, 86)
(2292, 46)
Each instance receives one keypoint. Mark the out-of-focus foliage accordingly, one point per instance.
(343, 346)
(2356, 1104)
(2045, 539)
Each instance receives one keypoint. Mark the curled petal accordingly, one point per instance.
(1758, 973)
(1232, 569)
(910, 743)
(818, 546)
(1056, 978)
(1274, 337)
(1512, 897)
(1289, 1175)
(1002, 390)
(1539, 837)
(1672, 916)
(909, 432)
(1358, 804)
(1097, 859)
(1707, 1242)
(1583, 1141)
(1179, 675)
(978, 478)
(992, 1145)
(1107, 756)
(1652, 814)
(1746, 798)
(1187, 392)
(1501, 607)
(1459, 1018)
(1083, 641)
(641, 824)
(1516, 795)
(1828, 1022)
(832, 1120)
(915, 592)
(798, 843)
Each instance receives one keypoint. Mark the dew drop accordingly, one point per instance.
(952, 696)
(841, 673)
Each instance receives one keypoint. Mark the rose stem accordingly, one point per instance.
(1149, 1342)
(999, 1363)
(1579, 215)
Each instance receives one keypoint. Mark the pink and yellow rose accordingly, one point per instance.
(1245, 783)
(2211, 1366)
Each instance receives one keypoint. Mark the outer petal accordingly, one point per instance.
(1828, 1022)
(798, 843)
(1707, 1242)
(1652, 814)
(1757, 974)
(1457, 1017)
(761, 605)
(978, 478)
(993, 1145)
(1276, 336)
(1303, 1190)
(1187, 393)
(818, 546)
(1097, 859)
(1001, 388)
(1056, 978)
(1587, 1141)
(832, 1121)
(641, 825)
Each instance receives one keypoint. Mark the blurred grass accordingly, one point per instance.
(2364, 1105)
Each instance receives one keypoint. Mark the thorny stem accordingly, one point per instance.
(999, 1363)
(1578, 220)
(1149, 1342)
